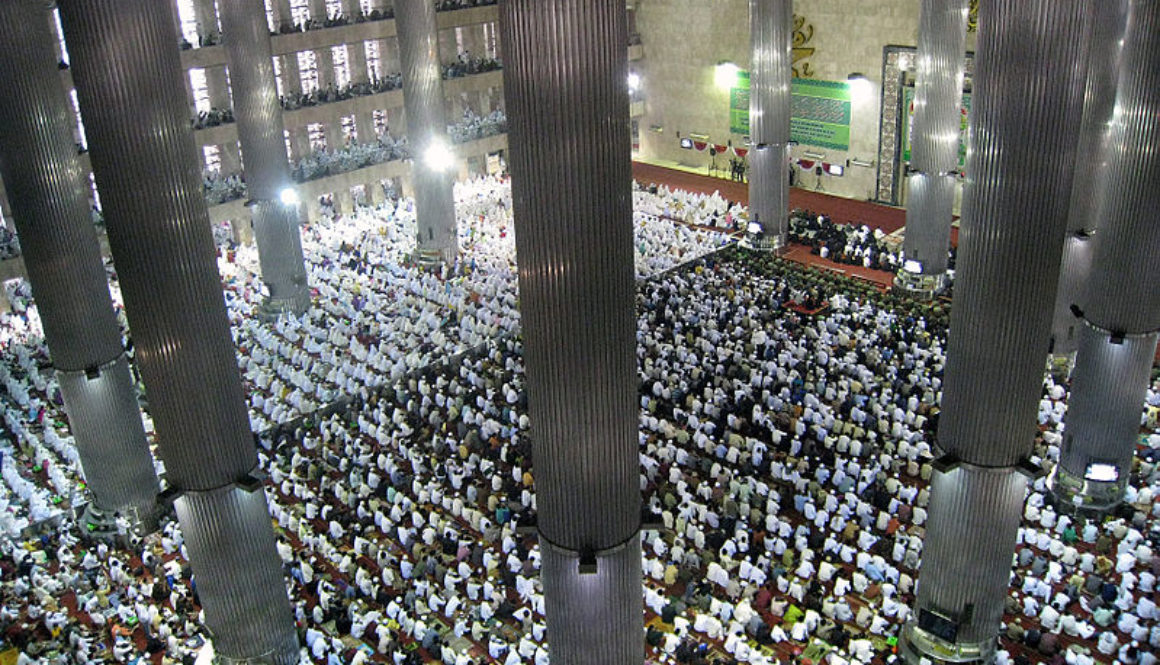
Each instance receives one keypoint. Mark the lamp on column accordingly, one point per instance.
(438, 156)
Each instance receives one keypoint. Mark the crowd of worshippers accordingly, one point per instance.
(213, 117)
(473, 126)
(327, 161)
(332, 20)
(377, 316)
(208, 38)
(468, 65)
(9, 243)
(787, 454)
(221, 187)
(452, 5)
(850, 244)
(295, 100)
(138, 599)
(694, 209)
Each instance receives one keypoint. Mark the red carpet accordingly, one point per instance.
(801, 254)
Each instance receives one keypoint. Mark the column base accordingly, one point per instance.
(242, 231)
(918, 285)
(209, 655)
(434, 259)
(764, 243)
(917, 645)
(1075, 493)
(272, 308)
(105, 417)
(96, 524)
(230, 541)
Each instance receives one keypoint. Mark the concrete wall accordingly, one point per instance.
(685, 39)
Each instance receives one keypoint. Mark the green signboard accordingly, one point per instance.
(908, 125)
(739, 105)
(819, 113)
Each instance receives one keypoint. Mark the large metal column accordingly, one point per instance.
(1117, 344)
(1010, 245)
(262, 137)
(1108, 22)
(48, 192)
(771, 38)
(571, 178)
(144, 159)
(938, 95)
(432, 167)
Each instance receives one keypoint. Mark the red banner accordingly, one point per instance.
(700, 145)
(740, 152)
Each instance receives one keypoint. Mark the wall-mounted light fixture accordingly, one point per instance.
(725, 75)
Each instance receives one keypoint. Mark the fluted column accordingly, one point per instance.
(356, 59)
(571, 180)
(218, 86)
(318, 10)
(144, 158)
(938, 95)
(324, 67)
(48, 193)
(261, 135)
(283, 15)
(1122, 315)
(291, 74)
(231, 158)
(1029, 80)
(770, 30)
(1108, 23)
(300, 147)
(389, 58)
(432, 170)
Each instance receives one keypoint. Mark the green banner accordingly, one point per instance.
(908, 125)
(739, 105)
(819, 112)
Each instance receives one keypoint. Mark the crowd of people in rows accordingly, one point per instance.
(472, 126)
(336, 19)
(353, 156)
(213, 118)
(464, 65)
(225, 187)
(468, 65)
(222, 187)
(332, 20)
(693, 209)
(787, 430)
(452, 5)
(210, 38)
(350, 157)
(296, 100)
(850, 244)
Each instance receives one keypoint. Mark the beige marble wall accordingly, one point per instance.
(685, 39)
